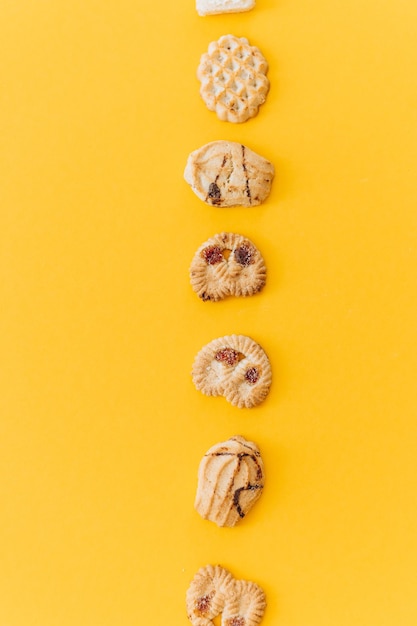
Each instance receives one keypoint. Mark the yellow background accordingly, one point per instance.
(101, 429)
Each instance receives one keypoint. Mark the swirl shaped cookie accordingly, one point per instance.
(227, 173)
(214, 590)
(233, 78)
(230, 481)
(236, 367)
(227, 264)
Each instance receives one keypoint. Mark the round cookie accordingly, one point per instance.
(233, 78)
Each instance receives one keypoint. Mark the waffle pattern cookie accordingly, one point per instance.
(227, 264)
(235, 367)
(230, 481)
(226, 173)
(214, 590)
(214, 7)
(233, 78)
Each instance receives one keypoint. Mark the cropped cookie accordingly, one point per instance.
(226, 173)
(206, 595)
(235, 367)
(230, 481)
(214, 7)
(246, 606)
(233, 78)
(214, 590)
(227, 264)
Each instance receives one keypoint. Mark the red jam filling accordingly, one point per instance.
(212, 255)
(252, 375)
(244, 255)
(227, 356)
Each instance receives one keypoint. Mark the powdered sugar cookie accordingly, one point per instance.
(214, 7)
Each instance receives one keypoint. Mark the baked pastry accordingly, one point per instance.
(226, 173)
(214, 590)
(206, 595)
(230, 481)
(214, 7)
(233, 78)
(235, 367)
(227, 264)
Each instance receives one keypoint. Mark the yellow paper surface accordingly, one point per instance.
(101, 428)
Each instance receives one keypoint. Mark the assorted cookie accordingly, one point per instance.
(235, 367)
(226, 174)
(234, 84)
(233, 78)
(214, 590)
(227, 264)
(230, 481)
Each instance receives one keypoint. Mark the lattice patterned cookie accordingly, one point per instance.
(233, 78)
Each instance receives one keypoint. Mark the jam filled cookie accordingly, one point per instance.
(227, 264)
(235, 367)
(214, 590)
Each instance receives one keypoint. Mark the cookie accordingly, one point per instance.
(227, 264)
(246, 606)
(233, 78)
(226, 174)
(235, 367)
(206, 595)
(230, 481)
(214, 7)
(214, 590)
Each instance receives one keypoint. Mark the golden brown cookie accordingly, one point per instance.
(227, 264)
(235, 367)
(214, 590)
(246, 606)
(233, 78)
(206, 594)
(230, 481)
(226, 173)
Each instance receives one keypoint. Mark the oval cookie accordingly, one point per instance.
(226, 174)
(230, 481)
